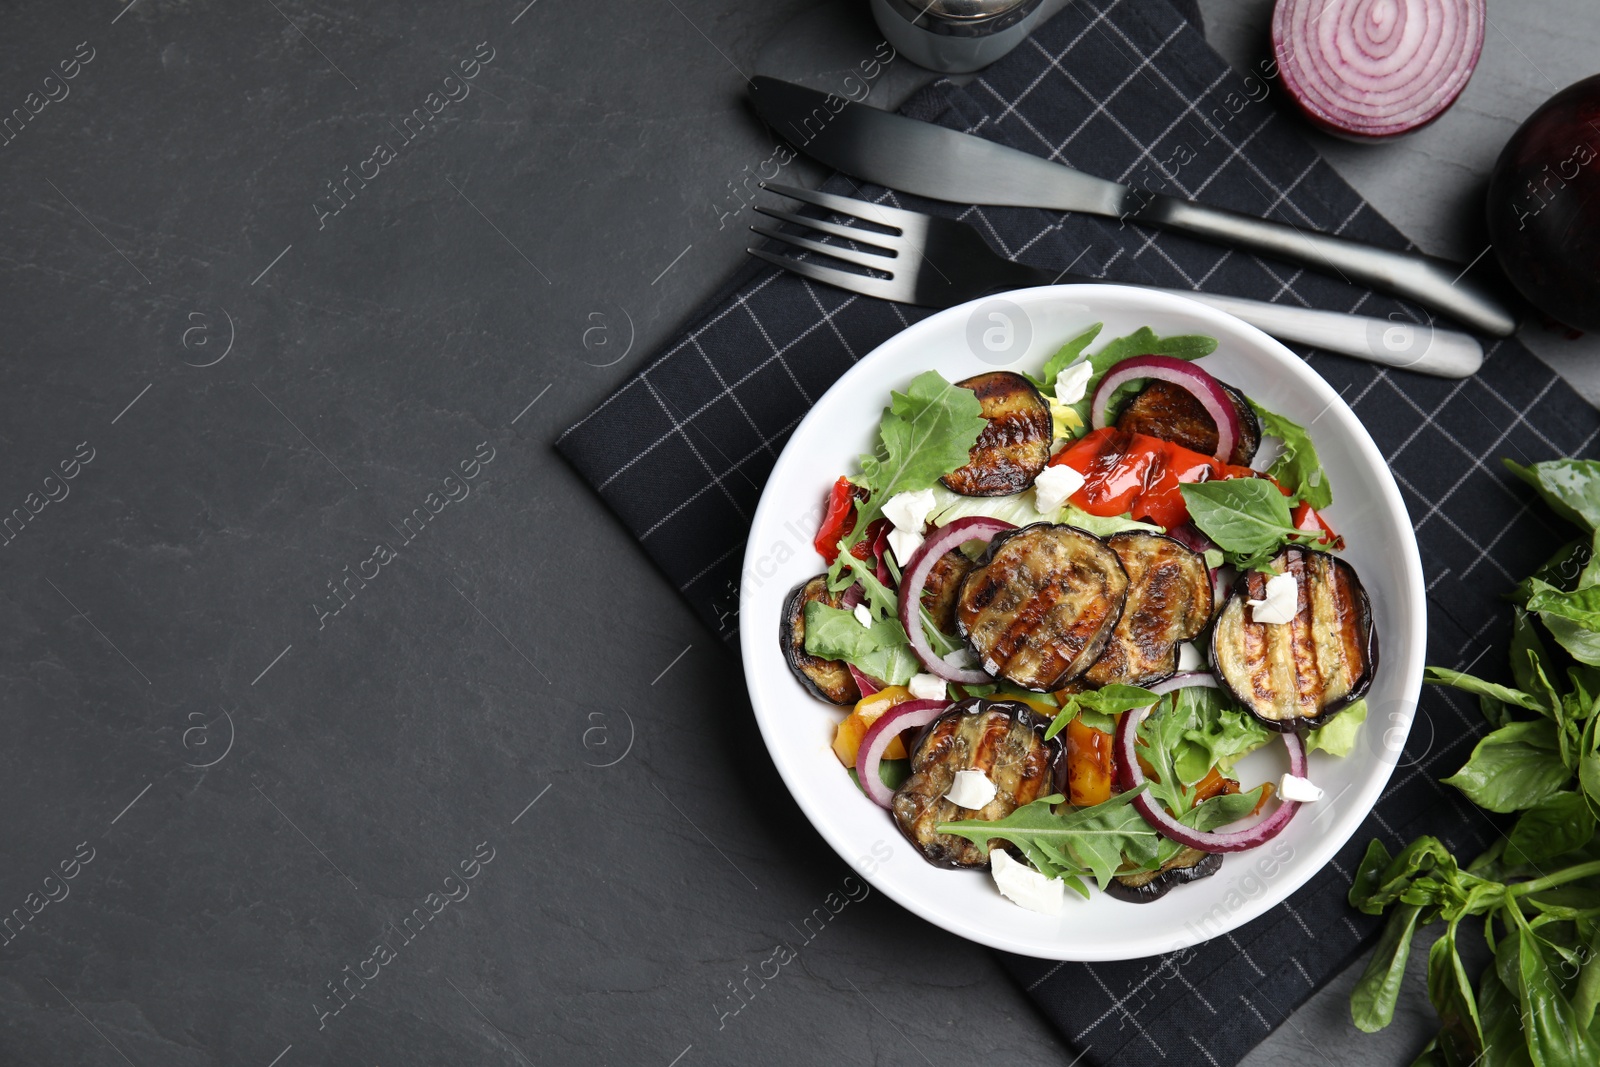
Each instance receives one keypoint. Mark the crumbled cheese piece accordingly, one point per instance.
(1073, 381)
(863, 616)
(927, 687)
(1053, 486)
(962, 659)
(1301, 789)
(909, 511)
(1025, 886)
(971, 789)
(1281, 603)
(905, 544)
(1189, 657)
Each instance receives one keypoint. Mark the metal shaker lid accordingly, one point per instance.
(967, 9)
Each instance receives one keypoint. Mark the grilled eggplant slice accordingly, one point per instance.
(829, 679)
(1299, 673)
(944, 582)
(1169, 601)
(1002, 738)
(1014, 447)
(1187, 866)
(1174, 414)
(1041, 604)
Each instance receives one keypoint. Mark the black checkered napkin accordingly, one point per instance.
(1129, 90)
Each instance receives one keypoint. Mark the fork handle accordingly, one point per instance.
(1432, 282)
(1413, 346)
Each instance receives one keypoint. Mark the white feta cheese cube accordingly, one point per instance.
(971, 789)
(1025, 886)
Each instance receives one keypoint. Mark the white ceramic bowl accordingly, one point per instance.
(1019, 332)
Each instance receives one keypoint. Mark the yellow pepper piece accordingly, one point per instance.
(847, 740)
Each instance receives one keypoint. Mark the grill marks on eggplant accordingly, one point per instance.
(1168, 601)
(829, 679)
(1014, 447)
(1299, 673)
(1002, 738)
(1041, 605)
(1174, 414)
(944, 582)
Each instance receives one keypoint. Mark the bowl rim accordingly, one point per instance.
(1405, 651)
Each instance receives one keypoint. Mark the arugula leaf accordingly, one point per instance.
(1248, 518)
(1298, 469)
(1085, 841)
(1514, 768)
(927, 432)
(1065, 356)
(1338, 737)
(883, 602)
(1109, 701)
(882, 651)
(1570, 486)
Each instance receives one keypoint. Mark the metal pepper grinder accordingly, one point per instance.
(959, 36)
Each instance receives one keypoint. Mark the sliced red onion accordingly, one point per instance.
(1374, 69)
(1130, 776)
(1185, 375)
(890, 725)
(915, 576)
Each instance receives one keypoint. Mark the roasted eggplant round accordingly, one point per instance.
(1300, 673)
(1041, 604)
(1002, 738)
(829, 679)
(1014, 447)
(1187, 866)
(1174, 414)
(1169, 601)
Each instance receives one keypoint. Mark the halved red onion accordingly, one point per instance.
(1374, 69)
(1130, 776)
(1185, 375)
(864, 682)
(890, 725)
(972, 528)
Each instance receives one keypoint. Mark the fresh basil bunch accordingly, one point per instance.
(1538, 888)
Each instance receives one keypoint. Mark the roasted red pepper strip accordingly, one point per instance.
(1133, 473)
(837, 521)
(1305, 517)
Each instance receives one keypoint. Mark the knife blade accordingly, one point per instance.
(927, 160)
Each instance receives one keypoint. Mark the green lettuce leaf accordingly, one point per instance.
(1338, 737)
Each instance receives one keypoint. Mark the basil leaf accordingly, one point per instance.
(1369, 877)
(1373, 1000)
(927, 432)
(1107, 702)
(1514, 768)
(1570, 486)
(1572, 617)
(1549, 1022)
(1461, 1030)
(1298, 469)
(1557, 824)
(1244, 516)
(1468, 684)
(1501, 1015)
(1527, 658)
(1222, 810)
(1562, 570)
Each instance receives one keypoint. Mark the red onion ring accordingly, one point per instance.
(915, 576)
(890, 725)
(1130, 776)
(1185, 375)
(1374, 69)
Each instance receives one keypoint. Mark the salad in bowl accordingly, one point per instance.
(1056, 609)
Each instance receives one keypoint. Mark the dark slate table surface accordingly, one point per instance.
(343, 723)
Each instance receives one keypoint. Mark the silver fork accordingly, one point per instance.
(938, 262)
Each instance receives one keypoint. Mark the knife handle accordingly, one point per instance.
(1412, 346)
(1435, 283)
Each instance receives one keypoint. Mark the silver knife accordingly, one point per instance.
(927, 160)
